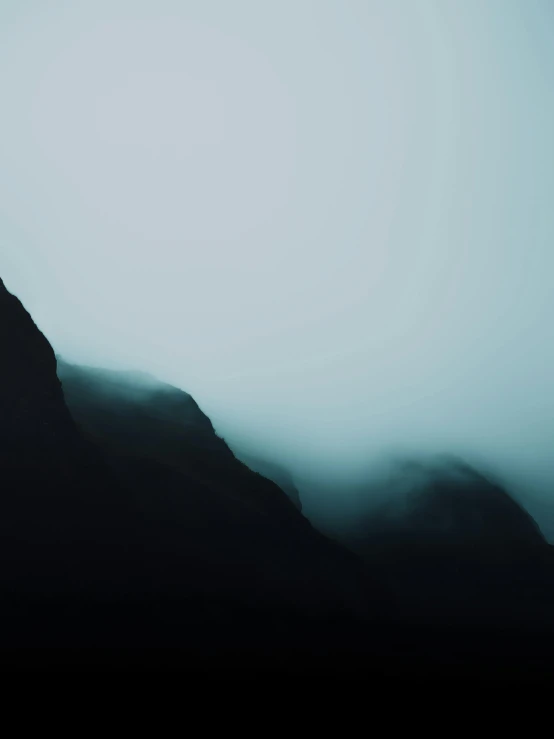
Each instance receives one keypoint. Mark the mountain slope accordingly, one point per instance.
(128, 528)
(275, 472)
(136, 415)
(455, 547)
(53, 482)
(142, 529)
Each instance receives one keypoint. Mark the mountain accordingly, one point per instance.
(134, 414)
(455, 547)
(275, 472)
(126, 522)
(54, 484)
(132, 537)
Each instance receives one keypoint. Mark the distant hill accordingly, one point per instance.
(456, 546)
(126, 522)
(132, 536)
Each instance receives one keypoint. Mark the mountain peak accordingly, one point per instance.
(5, 294)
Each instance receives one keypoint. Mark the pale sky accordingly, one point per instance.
(328, 220)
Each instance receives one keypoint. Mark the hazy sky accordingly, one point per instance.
(329, 220)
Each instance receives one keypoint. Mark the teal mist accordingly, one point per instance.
(329, 221)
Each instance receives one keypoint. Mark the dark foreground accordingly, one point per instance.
(132, 538)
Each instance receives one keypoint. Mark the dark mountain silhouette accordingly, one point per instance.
(133, 414)
(128, 522)
(458, 549)
(131, 536)
(275, 472)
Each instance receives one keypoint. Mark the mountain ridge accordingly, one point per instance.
(102, 526)
(127, 525)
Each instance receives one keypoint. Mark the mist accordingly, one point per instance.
(329, 222)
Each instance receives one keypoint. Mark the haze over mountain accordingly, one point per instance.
(327, 222)
(131, 537)
(266, 265)
(127, 523)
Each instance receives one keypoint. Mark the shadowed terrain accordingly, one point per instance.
(128, 525)
(457, 549)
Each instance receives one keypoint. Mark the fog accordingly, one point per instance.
(327, 220)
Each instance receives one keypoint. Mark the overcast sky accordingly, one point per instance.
(331, 221)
